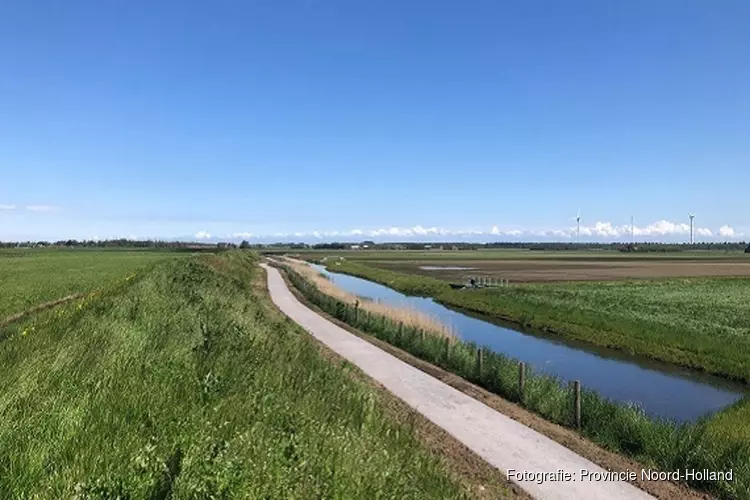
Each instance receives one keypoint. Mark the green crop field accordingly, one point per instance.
(29, 277)
(184, 382)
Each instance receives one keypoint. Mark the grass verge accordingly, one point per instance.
(659, 444)
(182, 383)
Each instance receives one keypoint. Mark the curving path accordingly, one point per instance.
(501, 441)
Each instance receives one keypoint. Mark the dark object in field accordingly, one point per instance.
(473, 283)
(457, 286)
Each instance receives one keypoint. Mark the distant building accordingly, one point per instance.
(354, 247)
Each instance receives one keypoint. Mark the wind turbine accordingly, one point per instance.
(692, 216)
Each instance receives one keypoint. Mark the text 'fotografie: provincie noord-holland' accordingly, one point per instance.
(626, 475)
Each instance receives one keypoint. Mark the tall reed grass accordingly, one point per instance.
(410, 317)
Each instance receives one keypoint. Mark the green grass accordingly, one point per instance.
(30, 276)
(719, 444)
(184, 382)
(701, 323)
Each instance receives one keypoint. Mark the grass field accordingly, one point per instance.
(719, 443)
(702, 323)
(33, 276)
(183, 382)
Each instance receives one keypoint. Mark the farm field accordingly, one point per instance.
(185, 382)
(702, 323)
(549, 269)
(33, 276)
(545, 266)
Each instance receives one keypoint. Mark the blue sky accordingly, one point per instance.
(322, 119)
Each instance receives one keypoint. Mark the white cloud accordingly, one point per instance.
(243, 235)
(42, 208)
(662, 227)
(607, 230)
(409, 231)
(202, 235)
(604, 231)
(7, 207)
(728, 232)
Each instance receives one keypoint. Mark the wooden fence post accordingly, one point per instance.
(479, 362)
(356, 311)
(521, 378)
(577, 402)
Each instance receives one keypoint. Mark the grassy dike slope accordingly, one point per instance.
(702, 323)
(183, 382)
